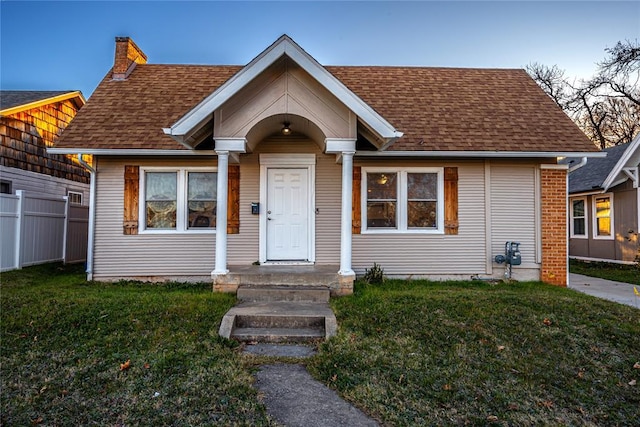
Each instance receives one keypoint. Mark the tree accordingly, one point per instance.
(607, 106)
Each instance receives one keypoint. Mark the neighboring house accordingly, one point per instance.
(201, 171)
(604, 205)
(30, 122)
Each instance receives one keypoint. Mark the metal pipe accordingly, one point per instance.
(92, 216)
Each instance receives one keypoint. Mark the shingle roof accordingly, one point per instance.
(591, 176)
(14, 98)
(441, 109)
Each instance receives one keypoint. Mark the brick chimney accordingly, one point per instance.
(128, 54)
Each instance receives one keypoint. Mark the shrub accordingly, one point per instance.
(374, 275)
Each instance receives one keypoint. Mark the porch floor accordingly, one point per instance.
(323, 275)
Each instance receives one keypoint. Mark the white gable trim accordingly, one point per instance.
(283, 46)
(632, 152)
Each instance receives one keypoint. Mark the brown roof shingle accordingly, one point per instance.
(440, 109)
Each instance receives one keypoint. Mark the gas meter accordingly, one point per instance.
(511, 257)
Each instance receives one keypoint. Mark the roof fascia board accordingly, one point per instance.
(41, 102)
(587, 192)
(131, 152)
(283, 46)
(626, 157)
(483, 154)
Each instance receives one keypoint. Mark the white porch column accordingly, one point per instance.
(221, 214)
(346, 220)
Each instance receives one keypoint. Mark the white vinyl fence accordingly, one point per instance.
(36, 229)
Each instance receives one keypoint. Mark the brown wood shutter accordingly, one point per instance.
(131, 192)
(450, 200)
(233, 200)
(356, 216)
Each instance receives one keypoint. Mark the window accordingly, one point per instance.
(578, 218)
(178, 200)
(74, 197)
(406, 200)
(5, 187)
(603, 216)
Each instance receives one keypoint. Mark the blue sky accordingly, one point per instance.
(70, 45)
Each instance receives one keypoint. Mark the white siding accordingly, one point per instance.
(143, 255)
(428, 254)
(513, 210)
(42, 184)
(511, 192)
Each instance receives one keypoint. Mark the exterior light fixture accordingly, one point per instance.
(286, 130)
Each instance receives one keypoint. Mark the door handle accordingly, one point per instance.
(268, 218)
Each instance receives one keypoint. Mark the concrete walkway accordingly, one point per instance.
(607, 289)
(294, 398)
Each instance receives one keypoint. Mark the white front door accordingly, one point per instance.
(287, 214)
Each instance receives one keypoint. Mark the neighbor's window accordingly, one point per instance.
(5, 187)
(74, 197)
(407, 200)
(578, 218)
(179, 200)
(603, 216)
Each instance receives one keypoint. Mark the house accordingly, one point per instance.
(30, 122)
(202, 171)
(604, 205)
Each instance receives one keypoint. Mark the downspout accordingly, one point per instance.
(92, 215)
(579, 165)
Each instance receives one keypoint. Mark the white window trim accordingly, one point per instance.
(181, 201)
(79, 193)
(571, 218)
(402, 200)
(594, 221)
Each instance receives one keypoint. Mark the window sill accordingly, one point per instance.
(405, 232)
(579, 236)
(176, 232)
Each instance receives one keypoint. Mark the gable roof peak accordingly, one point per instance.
(284, 45)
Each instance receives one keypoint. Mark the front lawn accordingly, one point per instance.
(607, 270)
(408, 353)
(78, 353)
(417, 353)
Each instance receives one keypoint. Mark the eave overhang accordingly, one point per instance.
(39, 103)
(195, 119)
(626, 168)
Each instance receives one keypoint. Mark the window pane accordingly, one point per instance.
(603, 216)
(578, 226)
(382, 186)
(202, 185)
(422, 186)
(202, 214)
(381, 214)
(161, 214)
(578, 208)
(161, 195)
(201, 203)
(161, 185)
(422, 214)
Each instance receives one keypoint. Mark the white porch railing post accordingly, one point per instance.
(221, 214)
(346, 220)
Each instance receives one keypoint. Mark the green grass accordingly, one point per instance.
(417, 353)
(408, 353)
(607, 270)
(63, 341)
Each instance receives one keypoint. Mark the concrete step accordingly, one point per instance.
(283, 293)
(279, 321)
(278, 335)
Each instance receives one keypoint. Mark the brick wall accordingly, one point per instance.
(25, 136)
(553, 192)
